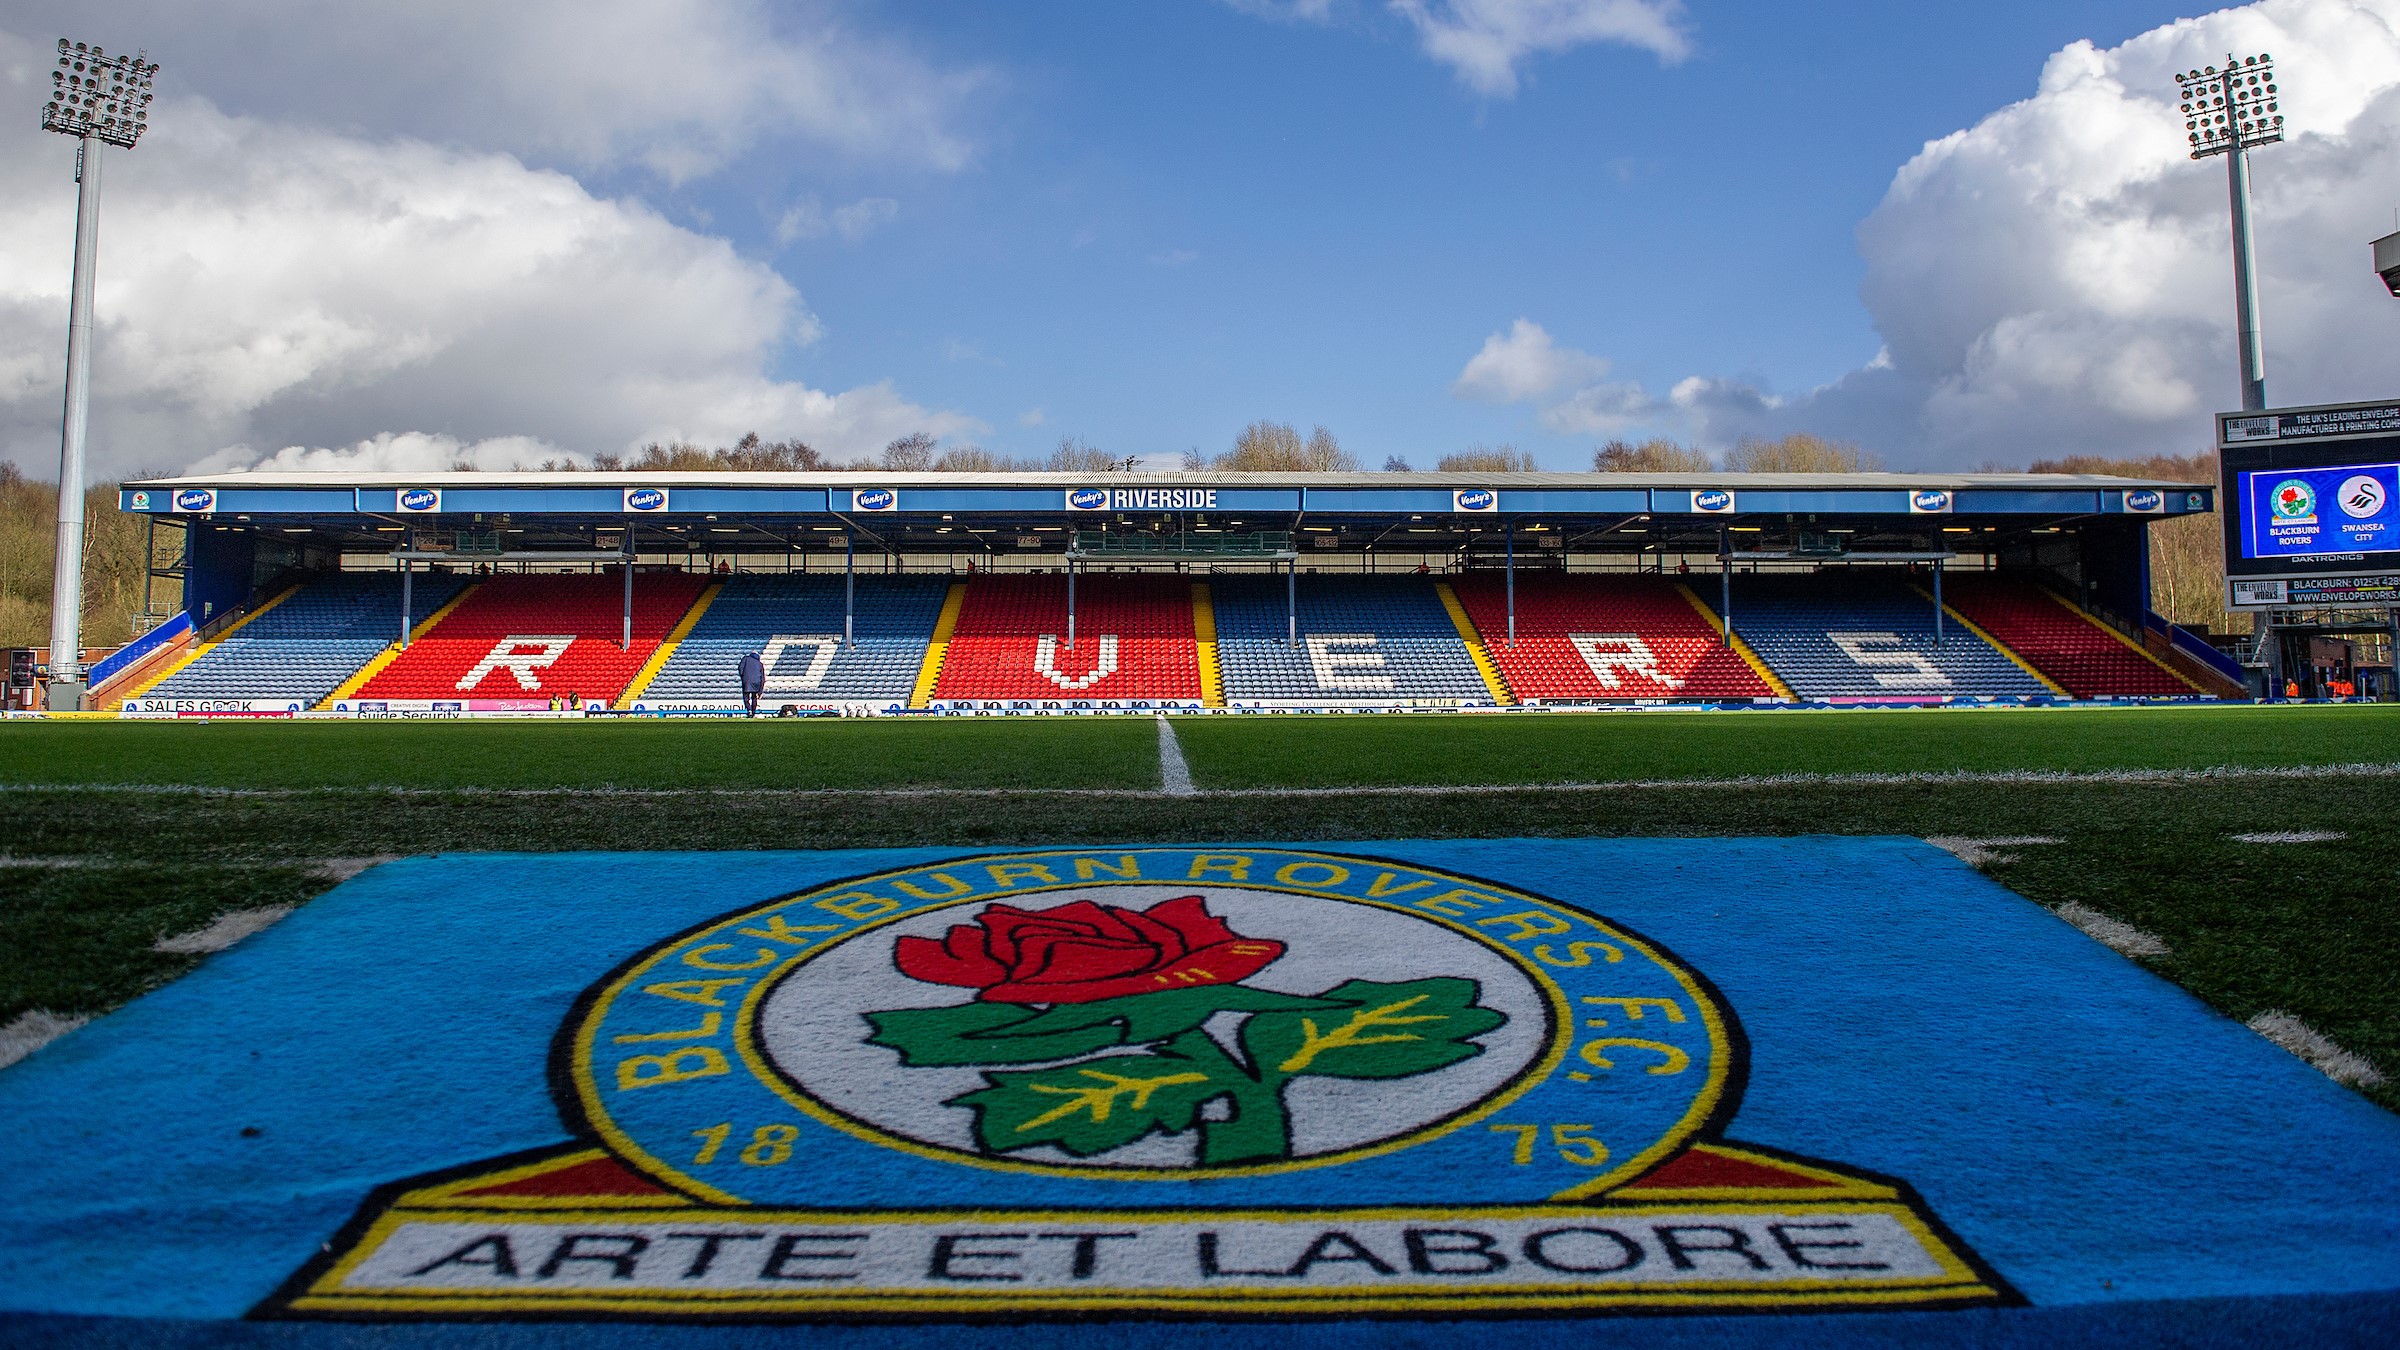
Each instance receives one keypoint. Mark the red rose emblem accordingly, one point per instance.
(1083, 952)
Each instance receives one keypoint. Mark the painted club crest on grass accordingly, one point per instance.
(1143, 1081)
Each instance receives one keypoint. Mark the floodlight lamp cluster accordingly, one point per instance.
(2230, 109)
(95, 94)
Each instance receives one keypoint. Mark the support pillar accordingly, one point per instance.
(408, 580)
(1725, 583)
(1937, 602)
(1291, 602)
(1512, 583)
(1070, 602)
(627, 642)
(849, 590)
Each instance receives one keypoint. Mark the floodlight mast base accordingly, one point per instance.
(66, 589)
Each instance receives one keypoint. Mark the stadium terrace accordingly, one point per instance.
(458, 594)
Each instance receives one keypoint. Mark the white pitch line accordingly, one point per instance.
(30, 1031)
(2290, 837)
(226, 931)
(2314, 1046)
(1174, 776)
(1956, 777)
(1977, 852)
(2116, 934)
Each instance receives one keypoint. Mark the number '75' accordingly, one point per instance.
(1574, 1143)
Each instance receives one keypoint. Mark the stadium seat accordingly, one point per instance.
(2059, 640)
(1133, 640)
(1590, 637)
(302, 649)
(1362, 640)
(795, 622)
(1838, 635)
(537, 637)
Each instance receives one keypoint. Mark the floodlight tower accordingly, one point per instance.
(2227, 112)
(98, 99)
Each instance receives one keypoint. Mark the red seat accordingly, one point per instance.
(1598, 637)
(539, 637)
(2064, 643)
(1133, 640)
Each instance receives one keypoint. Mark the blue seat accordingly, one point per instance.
(302, 649)
(1838, 634)
(1362, 640)
(894, 622)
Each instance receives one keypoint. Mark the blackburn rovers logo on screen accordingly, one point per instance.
(420, 499)
(1156, 1080)
(141, 501)
(874, 499)
(2295, 502)
(1712, 501)
(1087, 499)
(1475, 499)
(646, 499)
(1931, 501)
(196, 499)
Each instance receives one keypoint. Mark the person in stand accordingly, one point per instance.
(754, 682)
(2291, 689)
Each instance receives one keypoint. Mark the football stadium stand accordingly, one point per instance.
(303, 647)
(1867, 636)
(794, 623)
(1361, 640)
(1181, 584)
(1134, 640)
(2061, 641)
(528, 638)
(1588, 638)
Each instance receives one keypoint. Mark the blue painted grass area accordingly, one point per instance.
(2100, 1137)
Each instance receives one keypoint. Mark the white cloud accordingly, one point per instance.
(400, 452)
(2057, 278)
(1286, 11)
(1485, 41)
(679, 86)
(1523, 365)
(1033, 417)
(808, 219)
(269, 286)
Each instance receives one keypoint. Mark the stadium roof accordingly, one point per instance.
(741, 512)
(1202, 478)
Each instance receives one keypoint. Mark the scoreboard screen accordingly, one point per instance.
(2313, 504)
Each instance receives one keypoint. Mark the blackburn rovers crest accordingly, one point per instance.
(1149, 1081)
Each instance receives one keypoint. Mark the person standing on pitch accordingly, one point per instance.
(754, 682)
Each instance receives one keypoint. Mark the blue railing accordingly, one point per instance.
(108, 667)
(2194, 646)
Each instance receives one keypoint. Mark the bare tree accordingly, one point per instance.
(1396, 464)
(911, 453)
(1076, 455)
(1800, 453)
(974, 459)
(1275, 447)
(1656, 455)
(1490, 459)
(2187, 553)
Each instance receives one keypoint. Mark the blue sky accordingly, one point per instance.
(1185, 218)
(411, 233)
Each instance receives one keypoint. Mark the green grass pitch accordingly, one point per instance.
(109, 847)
